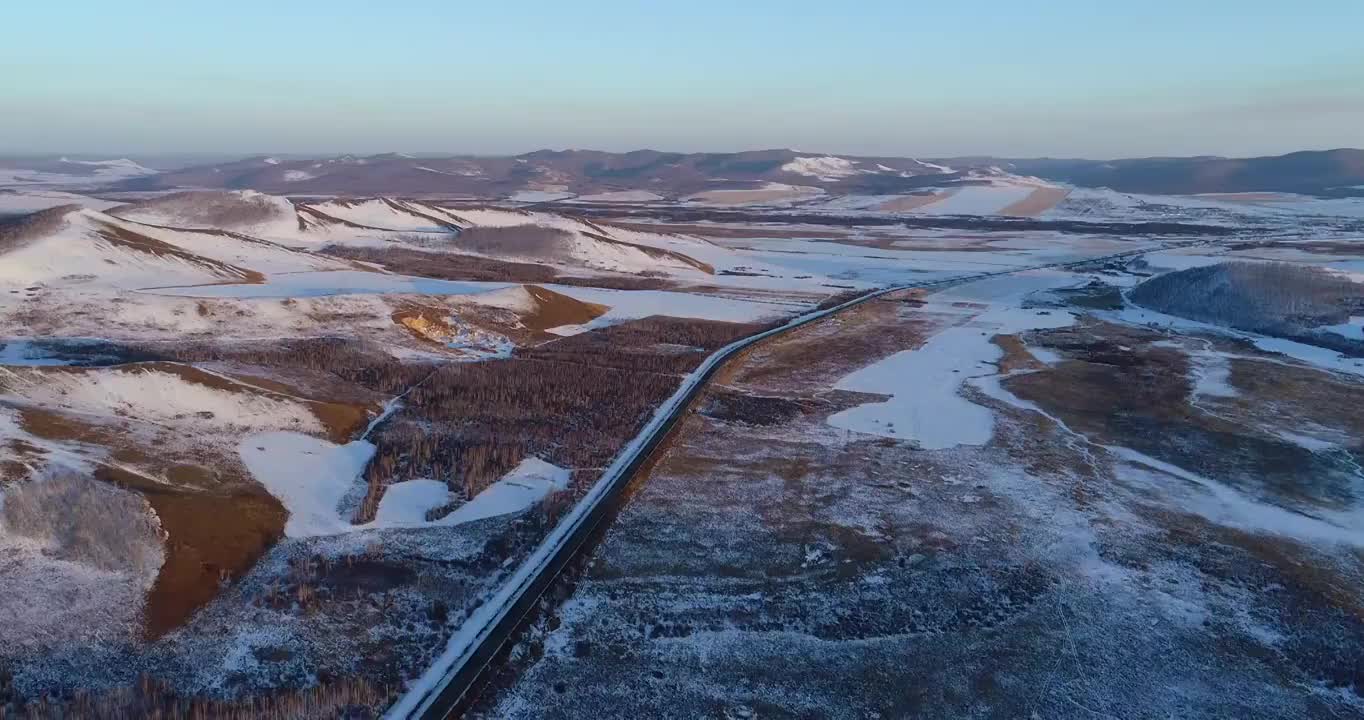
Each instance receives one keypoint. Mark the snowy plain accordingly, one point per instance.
(926, 406)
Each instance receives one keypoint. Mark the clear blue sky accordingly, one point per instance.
(1048, 77)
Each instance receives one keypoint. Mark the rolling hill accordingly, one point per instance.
(557, 174)
(215, 236)
(70, 245)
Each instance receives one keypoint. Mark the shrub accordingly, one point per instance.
(350, 697)
(83, 520)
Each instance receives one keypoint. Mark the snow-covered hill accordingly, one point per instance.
(23, 202)
(112, 169)
(69, 245)
(66, 172)
(388, 214)
(244, 211)
(571, 242)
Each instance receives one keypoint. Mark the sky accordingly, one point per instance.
(1064, 78)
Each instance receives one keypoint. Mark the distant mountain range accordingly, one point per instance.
(543, 174)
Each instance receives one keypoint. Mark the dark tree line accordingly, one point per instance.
(1280, 299)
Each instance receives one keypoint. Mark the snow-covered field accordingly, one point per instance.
(1286, 211)
(977, 200)
(872, 266)
(926, 406)
(218, 356)
(1072, 509)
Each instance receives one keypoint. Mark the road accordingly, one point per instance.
(446, 689)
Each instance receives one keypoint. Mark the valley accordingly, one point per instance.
(280, 453)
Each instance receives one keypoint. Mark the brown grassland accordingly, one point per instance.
(1039, 201)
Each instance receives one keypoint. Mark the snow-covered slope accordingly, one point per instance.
(279, 220)
(388, 214)
(525, 236)
(243, 211)
(990, 199)
(157, 394)
(832, 168)
(225, 225)
(74, 246)
(23, 202)
(980, 191)
(824, 168)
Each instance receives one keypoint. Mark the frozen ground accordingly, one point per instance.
(926, 407)
(882, 502)
(1292, 213)
(1105, 521)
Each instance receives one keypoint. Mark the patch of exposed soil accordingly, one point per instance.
(426, 323)
(445, 266)
(556, 309)
(911, 203)
(1037, 202)
(212, 539)
(747, 409)
(1016, 356)
(61, 427)
(218, 522)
